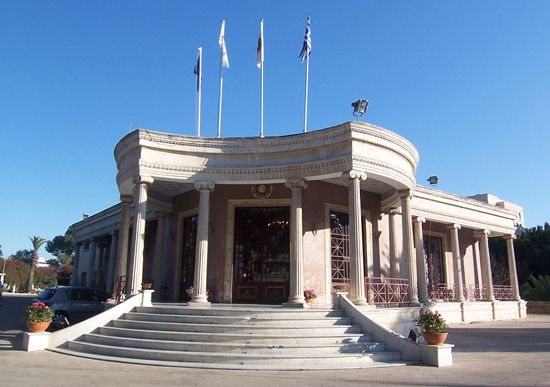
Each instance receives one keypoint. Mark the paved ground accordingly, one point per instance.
(506, 353)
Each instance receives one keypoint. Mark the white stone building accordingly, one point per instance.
(258, 220)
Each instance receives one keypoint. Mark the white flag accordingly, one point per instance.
(223, 47)
(260, 49)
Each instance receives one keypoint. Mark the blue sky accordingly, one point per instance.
(467, 82)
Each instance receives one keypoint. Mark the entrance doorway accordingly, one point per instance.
(261, 255)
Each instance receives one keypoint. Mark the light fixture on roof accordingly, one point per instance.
(360, 107)
(433, 180)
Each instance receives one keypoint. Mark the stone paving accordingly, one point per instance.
(503, 353)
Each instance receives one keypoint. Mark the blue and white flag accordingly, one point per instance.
(198, 70)
(306, 48)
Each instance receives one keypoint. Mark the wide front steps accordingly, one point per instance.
(238, 337)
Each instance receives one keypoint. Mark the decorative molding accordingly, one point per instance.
(262, 191)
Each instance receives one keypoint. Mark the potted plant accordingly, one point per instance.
(38, 317)
(432, 326)
(310, 296)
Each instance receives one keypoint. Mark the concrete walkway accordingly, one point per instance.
(505, 353)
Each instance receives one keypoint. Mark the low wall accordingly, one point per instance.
(467, 312)
(538, 307)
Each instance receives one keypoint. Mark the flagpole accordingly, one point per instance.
(199, 92)
(262, 79)
(305, 105)
(220, 100)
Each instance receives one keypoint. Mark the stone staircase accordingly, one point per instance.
(234, 337)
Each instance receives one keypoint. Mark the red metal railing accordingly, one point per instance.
(475, 292)
(387, 291)
(442, 292)
(503, 292)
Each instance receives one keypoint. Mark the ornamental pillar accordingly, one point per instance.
(158, 260)
(512, 266)
(112, 262)
(123, 236)
(457, 264)
(408, 246)
(356, 261)
(420, 260)
(201, 252)
(136, 273)
(394, 247)
(90, 276)
(487, 275)
(296, 291)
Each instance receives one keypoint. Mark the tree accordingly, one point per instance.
(61, 245)
(22, 255)
(37, 242)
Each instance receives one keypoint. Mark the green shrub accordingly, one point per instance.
(536, 288)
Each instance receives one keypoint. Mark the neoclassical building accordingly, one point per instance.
(258, 220)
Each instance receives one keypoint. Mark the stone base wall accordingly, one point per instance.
(538, 307)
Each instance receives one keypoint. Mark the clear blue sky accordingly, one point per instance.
(467, 82)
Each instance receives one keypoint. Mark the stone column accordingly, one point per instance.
(90, 276)
(136, 275)
(100, 257)
(75, 278)
(201, 252)
(420, 260)
(159, 256)
(486, 262)
(356, 256)
(123, 233)
(457, 265)
(296, 291)
(112, 262)
(408, 246)
(394, 248)
(512, 266)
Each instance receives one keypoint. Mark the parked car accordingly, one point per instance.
(72, 304)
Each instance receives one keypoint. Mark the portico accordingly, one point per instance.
(259, 220)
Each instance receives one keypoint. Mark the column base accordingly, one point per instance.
(199, 304)
(361, 301)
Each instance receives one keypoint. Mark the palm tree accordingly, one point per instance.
(37, 242)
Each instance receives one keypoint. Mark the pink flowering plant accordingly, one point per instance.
(309, 294)
(431, 322)
(39, 312)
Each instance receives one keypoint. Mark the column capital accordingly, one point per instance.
(454, 226)
(204, 185)
(126, 198)
(419, 219)
(509, 236)
(296, 183)
(481, 234)
(143, 180)
(114, 232)
(354, 174)
(405, 194)
(392, 211)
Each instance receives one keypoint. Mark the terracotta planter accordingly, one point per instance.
(435, 338)
(310, 300)
(38, 326)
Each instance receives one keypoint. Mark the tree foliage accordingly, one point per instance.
(22, 255)
(36, 242)
(537, 288)
(61, 245)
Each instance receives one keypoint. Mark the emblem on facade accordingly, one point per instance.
(262, 191)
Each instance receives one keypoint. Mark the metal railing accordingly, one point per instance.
(387, 291)
(442, 292)
(503, 292)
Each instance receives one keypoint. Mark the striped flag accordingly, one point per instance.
(260, 49)
(306, 48)
(223, 47)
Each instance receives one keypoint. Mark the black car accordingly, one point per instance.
(72, 304)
